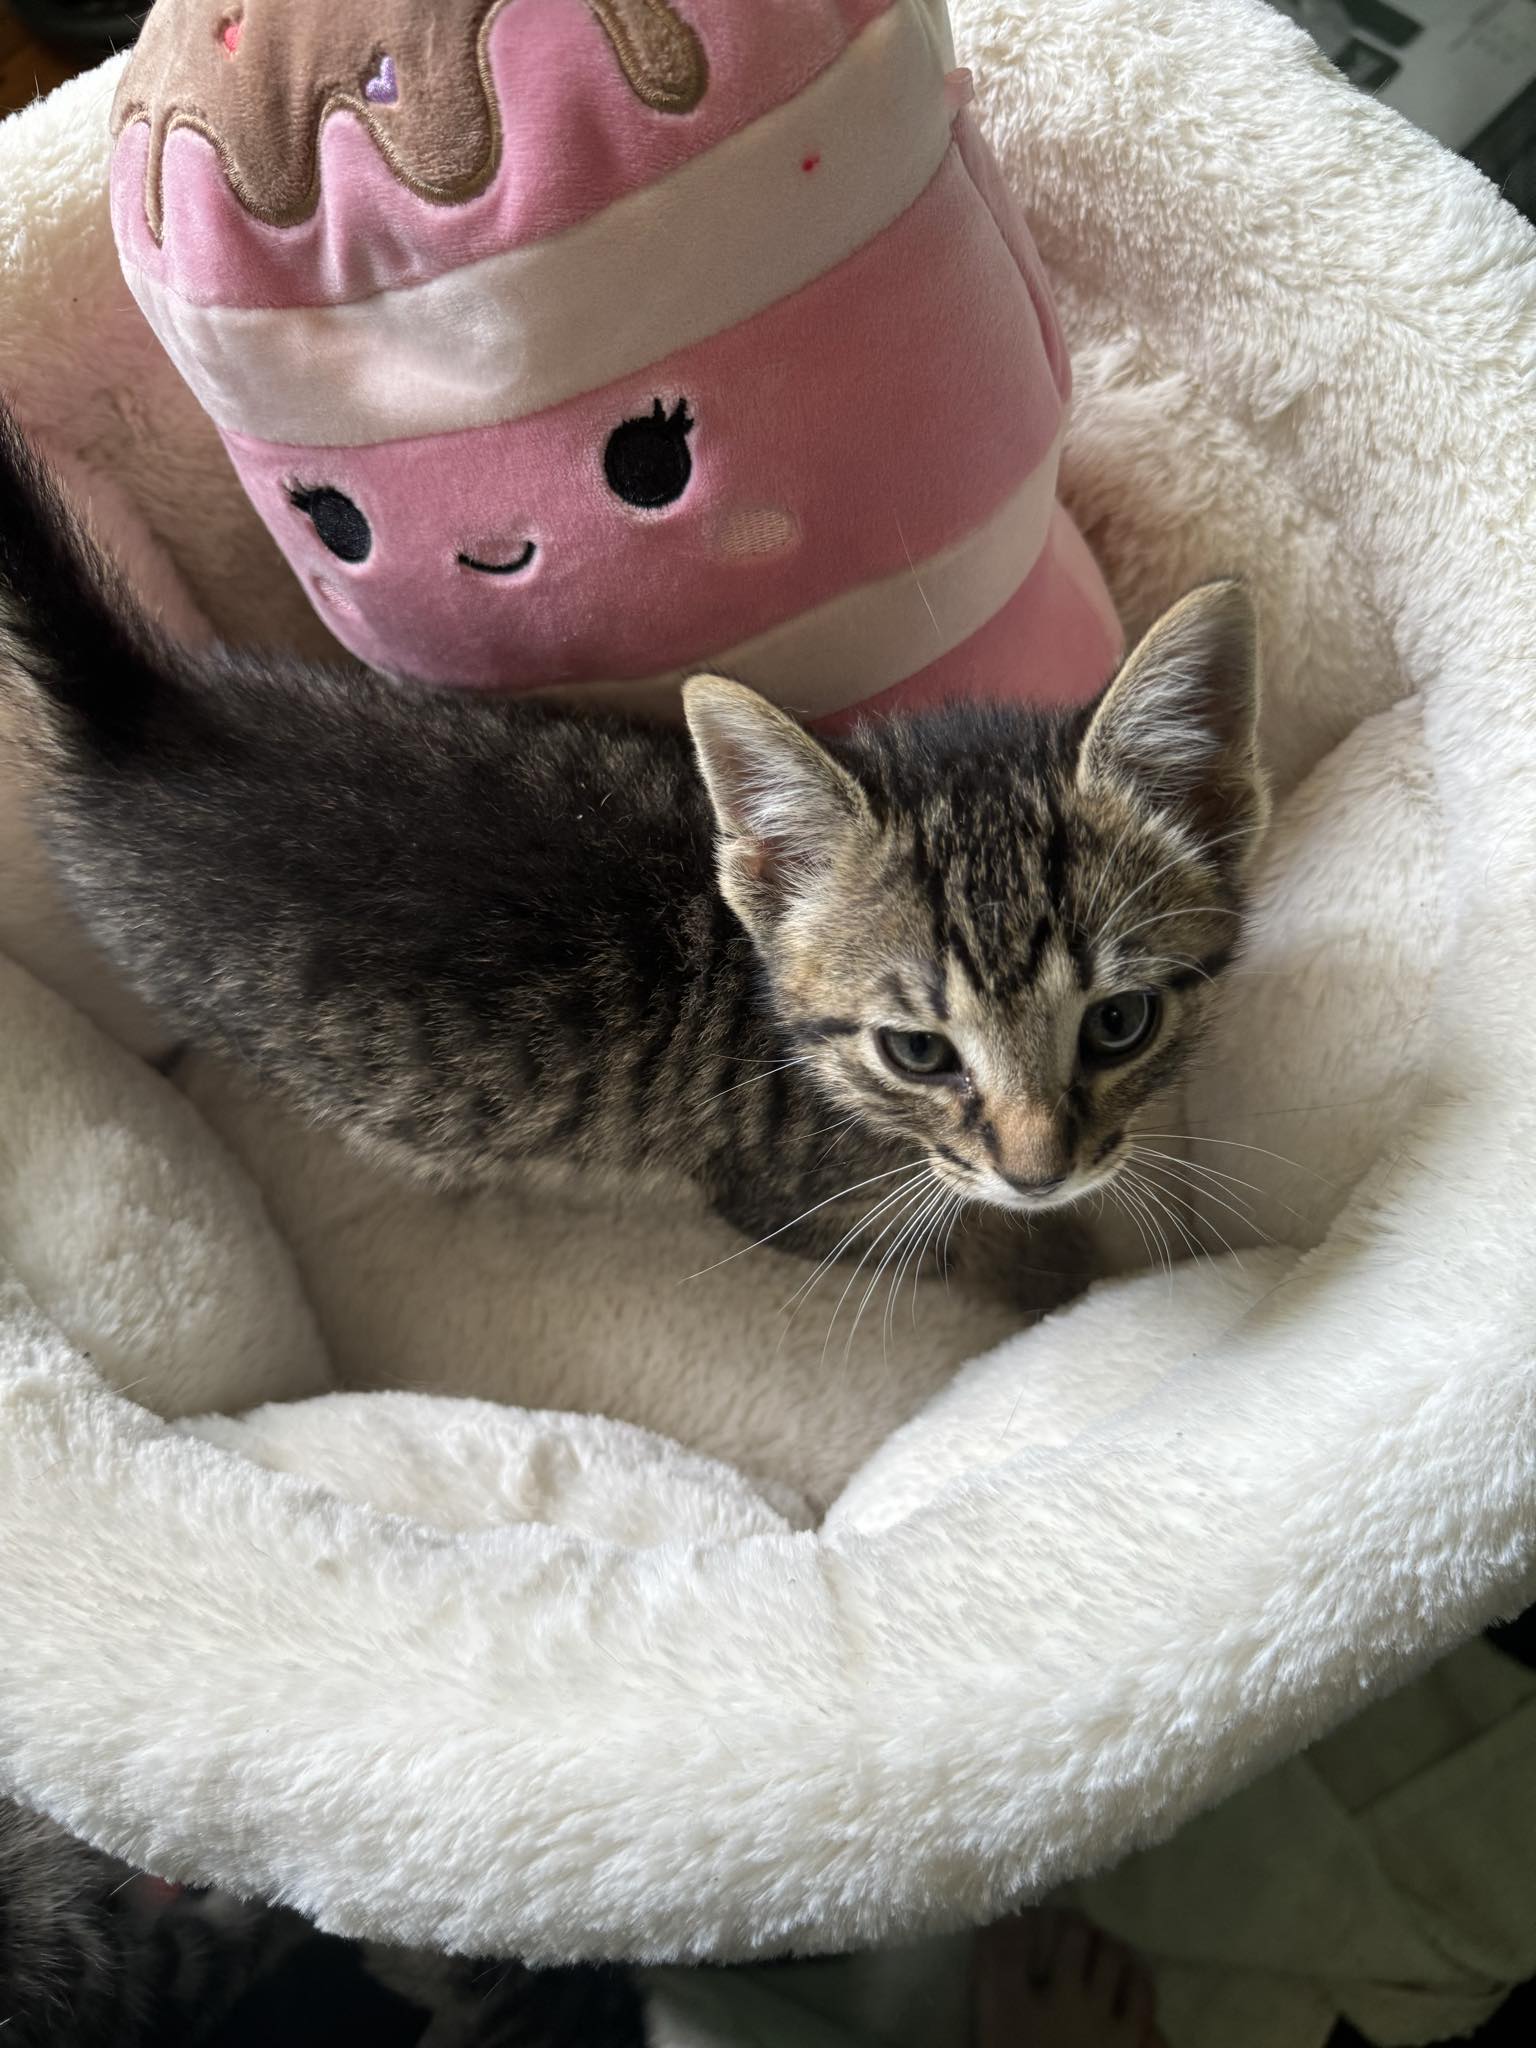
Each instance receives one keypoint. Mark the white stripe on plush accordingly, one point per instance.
(729, 234)
(868, 639)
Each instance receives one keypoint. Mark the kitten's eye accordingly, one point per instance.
(342, 526)
(647, 460)
(918, 1055)
(1114, 1029)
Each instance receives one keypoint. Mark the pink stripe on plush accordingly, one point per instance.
(987, 177)
(576, 139)
(824, 458)
(1057, 641)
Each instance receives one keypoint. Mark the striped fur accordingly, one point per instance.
(478, 933)
(90, 1957)
(84, 1963)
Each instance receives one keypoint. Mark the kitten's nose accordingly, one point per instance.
(1031, 1156)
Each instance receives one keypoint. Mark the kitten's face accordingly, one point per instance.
(1005, 956)
(1012, 1023)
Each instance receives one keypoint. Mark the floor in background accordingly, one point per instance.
(1513, 2026)
(1463, 69)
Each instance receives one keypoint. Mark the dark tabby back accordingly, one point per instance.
(87, 1960)
(861, 985)
(83, 1963)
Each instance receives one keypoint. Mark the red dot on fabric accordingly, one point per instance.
(811, 162)
(229, 36)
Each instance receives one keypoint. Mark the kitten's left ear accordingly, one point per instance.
(784, 807)
(1178, 725)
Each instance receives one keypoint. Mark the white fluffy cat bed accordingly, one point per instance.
(478, 1676)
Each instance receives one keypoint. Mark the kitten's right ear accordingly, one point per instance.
(1177, 728)
(785, 809)
(70, 632)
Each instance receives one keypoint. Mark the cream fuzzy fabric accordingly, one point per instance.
(466, 1676)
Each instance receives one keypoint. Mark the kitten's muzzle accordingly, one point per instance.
(1030, 1198)
(1029, 1154)
(1047, 1191)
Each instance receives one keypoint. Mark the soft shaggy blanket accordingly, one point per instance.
(804, 1649)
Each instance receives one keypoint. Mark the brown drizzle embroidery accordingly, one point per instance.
(661, 56)
(262, 103)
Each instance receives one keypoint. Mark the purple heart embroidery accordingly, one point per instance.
(383, 89)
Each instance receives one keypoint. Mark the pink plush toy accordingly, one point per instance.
(594, 342)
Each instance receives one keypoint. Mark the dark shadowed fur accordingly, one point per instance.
(90, 1959)
(475, 933)
(504, 2005)
(84, 1964)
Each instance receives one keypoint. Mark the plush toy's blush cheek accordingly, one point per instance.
(753, 533)
(332, 595)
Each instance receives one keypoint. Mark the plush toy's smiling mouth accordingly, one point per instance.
(514, 568)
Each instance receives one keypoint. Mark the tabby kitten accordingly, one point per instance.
(938, 962)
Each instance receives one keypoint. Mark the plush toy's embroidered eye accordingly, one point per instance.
(342, 526)
(647, 461)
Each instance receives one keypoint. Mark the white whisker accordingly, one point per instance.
(1165, 1250)
(958, 1209)
(814, 1209)
(1223, 1179)
(802, 1292)
(1206, 1223)
(1108, 868)
(1195, 1166)
(927, 607)
(1158, 1197)
(747, 1059)
(755, 1080)
(917, 1237)
(839, 1132)
(1244, 1214)
(901, 1225)
(943, 1230)
(897, 1222)
(1181, 1169)
(909, 1228)
(1113, 1192)
(1184, 853)
(1140, 1210)
(1194, 1138)
(1175, 960)
(915, 1254)
(1157, 1190)
(1163, 917)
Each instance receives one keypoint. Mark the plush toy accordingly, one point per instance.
(592, 342)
